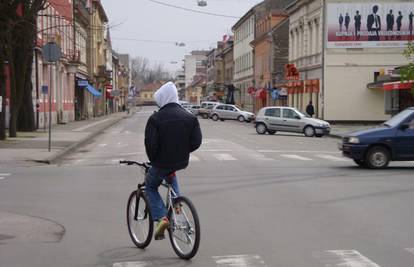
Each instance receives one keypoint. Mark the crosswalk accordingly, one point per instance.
(4, 175)
(327, 258)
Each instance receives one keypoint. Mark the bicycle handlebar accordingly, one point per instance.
(145, 165)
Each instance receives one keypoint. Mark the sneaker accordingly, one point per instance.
(162, 224)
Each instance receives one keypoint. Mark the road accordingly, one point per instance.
(282, 200)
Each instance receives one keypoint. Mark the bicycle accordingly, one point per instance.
(184, 226)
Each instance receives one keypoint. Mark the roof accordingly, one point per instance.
(151, 87)
(245, 16)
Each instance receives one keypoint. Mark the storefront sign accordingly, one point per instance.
(370, 25)
(82, 83)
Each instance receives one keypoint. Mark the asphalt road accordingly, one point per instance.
(282, 200)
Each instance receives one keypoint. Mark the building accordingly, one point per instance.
(84, 92)
(147, 93)
(244, 34)
(228, 69)
(55, 24)
(335, 72)
(97, 56)
(195, 64)
(264, 49)
(180, 83)
(215, 73)
(195, 92)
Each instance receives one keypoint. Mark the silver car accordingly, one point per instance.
(230, 112)
(287, 119)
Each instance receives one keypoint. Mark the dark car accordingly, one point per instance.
(391, 141)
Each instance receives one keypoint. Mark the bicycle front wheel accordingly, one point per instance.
(140, 223)
(184, 229)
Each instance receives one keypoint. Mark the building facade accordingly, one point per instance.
(335, 74)
(195, 64)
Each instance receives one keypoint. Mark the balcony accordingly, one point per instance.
(308, 61)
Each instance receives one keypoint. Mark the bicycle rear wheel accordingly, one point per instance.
(140, 223)
(184, 229)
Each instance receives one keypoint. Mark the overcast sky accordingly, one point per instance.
(146, 20)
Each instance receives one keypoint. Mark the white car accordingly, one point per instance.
(230, 112)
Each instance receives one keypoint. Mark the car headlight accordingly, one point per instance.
(353, 140)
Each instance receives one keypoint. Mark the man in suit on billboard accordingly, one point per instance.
(399, 23)
(374, 24)
(390, 23)
(410, 24)
(341, 21)
(357, 22)
(347, 21)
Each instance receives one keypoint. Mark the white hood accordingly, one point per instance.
(166, 94)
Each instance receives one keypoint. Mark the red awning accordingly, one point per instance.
(398, 85)
(108, 94)
(261, 93)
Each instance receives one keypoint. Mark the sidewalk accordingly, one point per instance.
(31, 148)
(340, 130)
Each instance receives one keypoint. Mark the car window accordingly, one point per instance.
(220, 107)
(230, 108)
(272, 112)
(289, 114)
(397, 119)
(410, 122)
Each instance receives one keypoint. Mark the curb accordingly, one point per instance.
(67, 150)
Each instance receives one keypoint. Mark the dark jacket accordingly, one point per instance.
(310, 110)
(170, 135)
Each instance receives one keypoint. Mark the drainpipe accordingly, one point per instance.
(323, 57)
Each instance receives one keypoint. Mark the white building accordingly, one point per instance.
(194, 64)
(336, 68)
(244, 30)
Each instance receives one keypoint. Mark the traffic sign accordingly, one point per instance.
(51, 52)
(44, 89)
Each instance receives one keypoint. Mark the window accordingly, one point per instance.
(220, 107)
(289, 114)
(230, 108)
(272, 112)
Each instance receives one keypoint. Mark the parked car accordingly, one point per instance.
(391, 141)
(194, 109)
(230, 112)
(287, 119)
(205, 108)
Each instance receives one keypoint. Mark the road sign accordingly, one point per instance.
(44, 89)
(51, 52)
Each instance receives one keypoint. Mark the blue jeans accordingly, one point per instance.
(153, 180)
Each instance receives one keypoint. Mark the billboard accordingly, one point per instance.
(370, 25)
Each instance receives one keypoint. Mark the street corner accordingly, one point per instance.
(17, 228)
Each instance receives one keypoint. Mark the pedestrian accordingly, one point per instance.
(310, 109)
(123, 108)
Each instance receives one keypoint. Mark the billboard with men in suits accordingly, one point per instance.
(370, 25)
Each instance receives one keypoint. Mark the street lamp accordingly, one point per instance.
(202, 3)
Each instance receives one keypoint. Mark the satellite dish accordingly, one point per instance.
(201, 3)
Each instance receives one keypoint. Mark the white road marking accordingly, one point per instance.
(102, 145)
(133, 153)
(127, 132)
(194, 158)
(88, 126)
(239, 261)
(132, 264)
(345, 258)
(4, 175)
(298, 151)
(261, 157)
(119, 143)
(295, 157)
(224, 157)
(410, 250)
(330, 157)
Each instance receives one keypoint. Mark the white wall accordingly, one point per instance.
(243, 35)
(347, 74)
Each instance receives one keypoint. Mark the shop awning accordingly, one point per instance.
(93, 91)
(398, 85)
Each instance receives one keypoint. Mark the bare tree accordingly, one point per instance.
(143, 72)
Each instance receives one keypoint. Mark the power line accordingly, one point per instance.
(194, 10)
(157, 41)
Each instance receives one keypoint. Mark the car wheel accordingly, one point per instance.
(309, 131)
(215, 117)
(271, 132)
(319, 135)
(360, 162)
(240, 118)
(261, 128)
(377, 158)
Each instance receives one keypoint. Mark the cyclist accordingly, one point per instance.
(171, 134)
